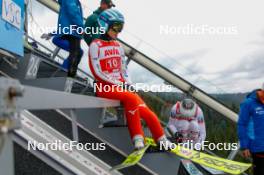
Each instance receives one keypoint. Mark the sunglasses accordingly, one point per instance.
(117, 27)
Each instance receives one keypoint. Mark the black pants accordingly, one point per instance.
(258, 163)
(75, 54)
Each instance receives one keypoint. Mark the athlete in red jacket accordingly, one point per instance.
(108, 65)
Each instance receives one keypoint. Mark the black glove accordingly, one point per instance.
(178, 137)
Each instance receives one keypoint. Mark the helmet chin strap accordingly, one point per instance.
(106, 37)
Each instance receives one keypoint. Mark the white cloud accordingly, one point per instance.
(209, 56)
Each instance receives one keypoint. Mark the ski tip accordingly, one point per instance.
(117, 167)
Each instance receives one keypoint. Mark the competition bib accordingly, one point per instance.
(111, 65)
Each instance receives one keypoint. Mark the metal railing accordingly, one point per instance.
(53, 54)
(21, 126)
(167, 75)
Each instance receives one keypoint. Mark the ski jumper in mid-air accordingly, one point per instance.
(107, 62)
(187, 122)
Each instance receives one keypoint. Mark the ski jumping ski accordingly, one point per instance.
(221, 164)
(132, 159)
(190, 167)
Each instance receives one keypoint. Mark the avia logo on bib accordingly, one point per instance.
(112, 52)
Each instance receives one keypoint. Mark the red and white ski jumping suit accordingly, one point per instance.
(189, 123)
(108, 65)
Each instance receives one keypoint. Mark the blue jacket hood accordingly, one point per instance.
(253, 95)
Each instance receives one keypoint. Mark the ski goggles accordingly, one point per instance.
(188, 104)
(117, 27)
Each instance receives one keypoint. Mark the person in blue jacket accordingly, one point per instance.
(69, 33)
(251, 129)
